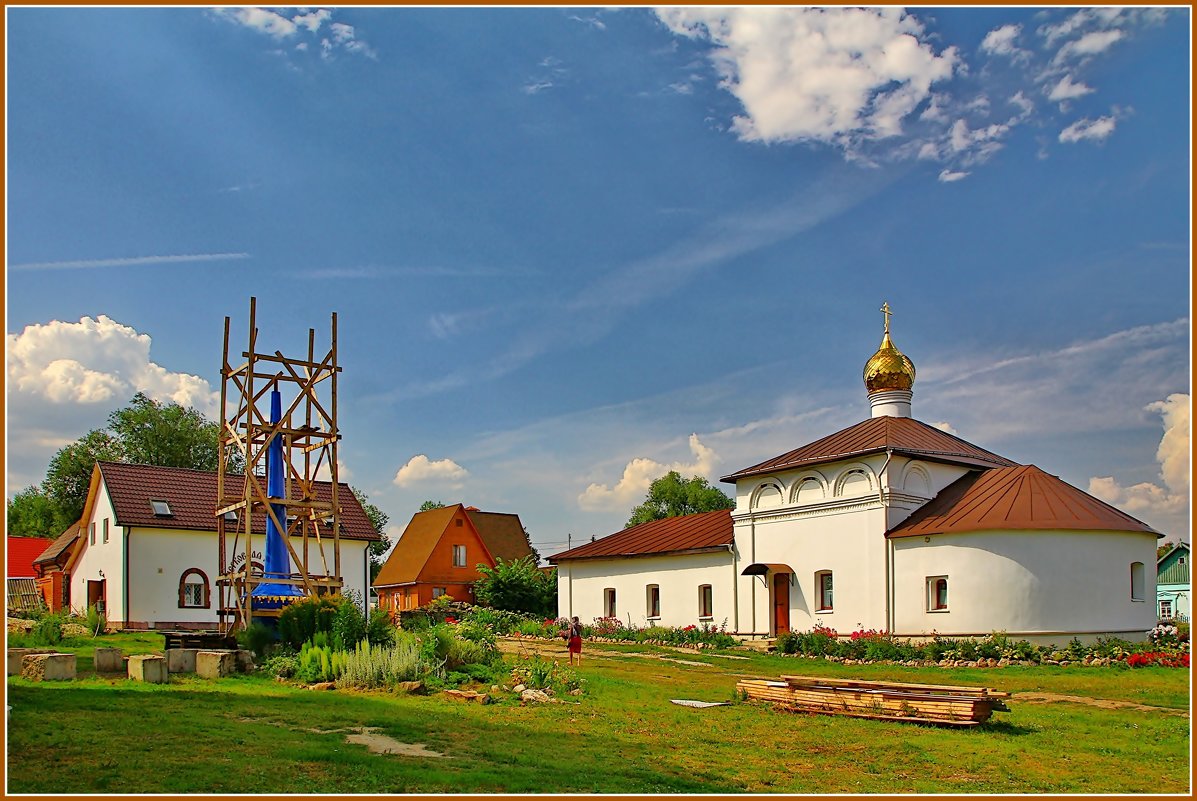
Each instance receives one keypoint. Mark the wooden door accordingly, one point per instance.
(781, 603)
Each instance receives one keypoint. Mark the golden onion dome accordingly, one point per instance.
(888, 368)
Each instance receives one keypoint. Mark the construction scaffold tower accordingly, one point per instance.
(308, 510)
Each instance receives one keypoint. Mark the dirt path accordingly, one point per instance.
(368, 736)
(1101, 703)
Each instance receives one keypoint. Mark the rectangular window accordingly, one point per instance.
(706, 601)
(459, 558)
(1166, 609)
(105, 529)
(609, 601)
(161, 508)
(937, 594)
(193, 594)
(437, 592)
(823, 590)
(93, 534)
(654, 601)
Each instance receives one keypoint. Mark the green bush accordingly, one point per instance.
(379, 629)
(320, 662)
(348, 624)
(48, 630)
(96, 621)
(302, 620)
(281, 665)
(542, 674)
(517, 586)
(373, 666)
(256, 638)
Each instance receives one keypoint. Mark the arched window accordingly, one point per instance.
(194, 590)
(1138, 581)
(937, 594)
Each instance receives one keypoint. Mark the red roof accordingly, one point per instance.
(21, 552)
(902, 435)
(1014, 498)
(704, 531)
(191, 495)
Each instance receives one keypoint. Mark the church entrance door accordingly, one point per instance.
(781, 603)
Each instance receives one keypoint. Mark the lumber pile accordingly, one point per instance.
(940, 704)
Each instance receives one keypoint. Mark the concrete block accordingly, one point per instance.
(181, 660)
(245, 660)
(149, 668)
(48, 667)
(215, 664)
(15, 655)
(109, 660)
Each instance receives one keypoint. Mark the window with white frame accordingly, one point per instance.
(824, 591)
(1138, 581)
(193, 589)
(437, 592)
(937, 594)
(105, 529)
(1166, 612)
(706, 602)
(459, 556)
(653, 600)
(609, 602)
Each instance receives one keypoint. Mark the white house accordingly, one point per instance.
(890, 524)
(148, 548)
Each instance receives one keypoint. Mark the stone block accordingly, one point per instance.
(48, 667)
(181, 660)
(149, 668)
(215, 664)
(109, 660)
(15, 655)
(245, 660)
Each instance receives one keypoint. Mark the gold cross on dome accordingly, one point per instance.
(885, 310)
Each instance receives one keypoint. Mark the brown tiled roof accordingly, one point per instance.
(192, 498)
(903, 435)
(1014, 498)
(65, 540)
(502, 533)
(707, 530)
(415, 545)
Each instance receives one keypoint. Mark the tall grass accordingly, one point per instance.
(372, 666)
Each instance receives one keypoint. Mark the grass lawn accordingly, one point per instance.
(250, 734)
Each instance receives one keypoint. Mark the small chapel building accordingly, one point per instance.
(890, 524)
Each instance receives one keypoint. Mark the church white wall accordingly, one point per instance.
(1044, 583)
(581, 586)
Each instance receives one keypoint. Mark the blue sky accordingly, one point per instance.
(570, 249)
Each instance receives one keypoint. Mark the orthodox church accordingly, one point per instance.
(890, 524)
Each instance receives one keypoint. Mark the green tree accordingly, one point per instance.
(69, 475)
(379, 520)
(517, 586)
(165, 434)
(31, 513)
(672, 496)
(428, 506)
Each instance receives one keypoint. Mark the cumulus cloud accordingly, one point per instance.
(946, 427)
(1089, 45)
(341, 36)
(948, 176)
(1001, 41)
(639, 473)
(833, 75)
(421, 469)
(1067, 89)
(1086, 128)
(1166, 503)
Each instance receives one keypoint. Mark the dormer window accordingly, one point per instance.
(161, 508)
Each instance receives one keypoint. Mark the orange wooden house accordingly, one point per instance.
(439, 553)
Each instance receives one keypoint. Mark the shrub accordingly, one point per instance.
(96, 621)
(517, 586)
(48, 630)
(348, 623)
(542, 674)
(281, 665)
(257, 638)
(379, 629)
(320, 663)
(372, 666)
(302, 620)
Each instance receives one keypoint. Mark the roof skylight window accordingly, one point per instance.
(161, 508)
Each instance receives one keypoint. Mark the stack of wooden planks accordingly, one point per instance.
(917, 703)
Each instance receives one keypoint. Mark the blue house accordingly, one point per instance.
(1172, 586)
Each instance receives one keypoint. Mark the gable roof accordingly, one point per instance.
(1014, 498)
(20, 553)
(902, 435)
(502, 533)
(192, 497)
(703, 531)
(65, 540)
(416, 544)
(1170, 567)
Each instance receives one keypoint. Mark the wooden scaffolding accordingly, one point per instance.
(308, 429)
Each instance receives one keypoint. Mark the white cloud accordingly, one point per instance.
(420, 468)
(1001, 41)
(834, 75)
(947, 176)
(343, 471)
(536, 87)
(1086, 128)
(1167, 505)
(136, 261)
(312, 20)
(1066, 89)
(260, 20)
(639, 473)
(946, 428)
(1089, 45)
(342, 36)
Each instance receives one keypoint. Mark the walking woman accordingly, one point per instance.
(574, 640)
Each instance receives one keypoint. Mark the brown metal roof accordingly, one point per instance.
(903, 435)
(1014, 498)
(192, 498)
(707, 530)
(502, 533)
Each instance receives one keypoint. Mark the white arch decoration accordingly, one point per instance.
(854, 469)
(916, 480)
(767, 484)
(805, 478)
